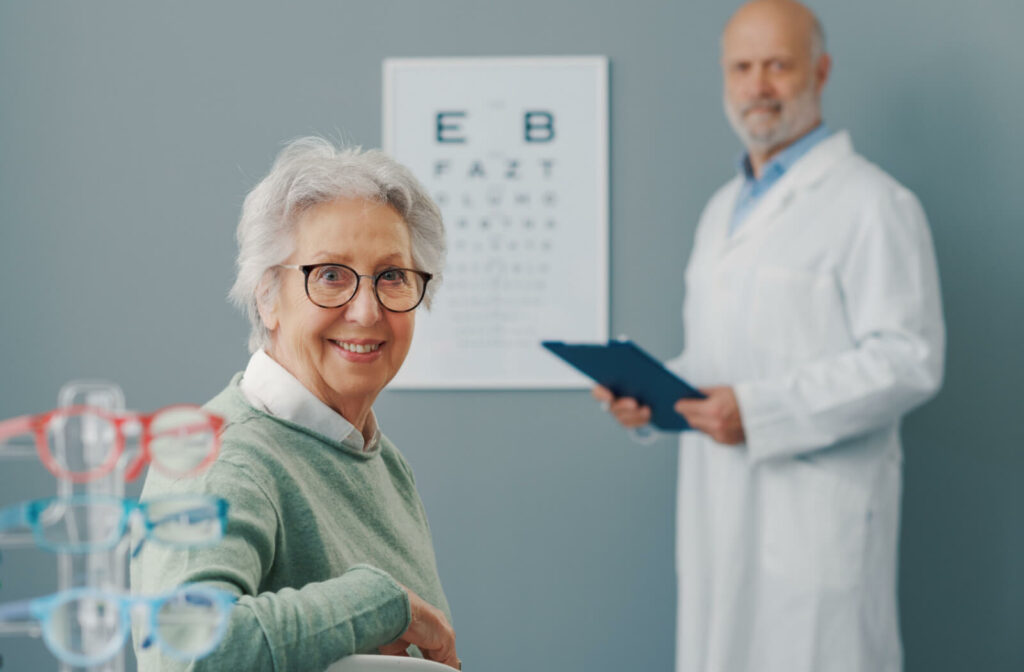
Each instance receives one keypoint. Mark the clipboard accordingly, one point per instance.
(629, 371)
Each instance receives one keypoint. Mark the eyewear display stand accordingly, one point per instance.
(84, 442)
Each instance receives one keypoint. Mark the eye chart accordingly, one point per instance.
(515, 153)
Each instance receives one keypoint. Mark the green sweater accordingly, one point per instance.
(316, 531)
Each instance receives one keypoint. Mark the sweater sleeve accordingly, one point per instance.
(308, 628)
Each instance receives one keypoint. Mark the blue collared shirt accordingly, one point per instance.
(754, 188)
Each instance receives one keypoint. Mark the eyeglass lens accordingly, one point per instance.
(77, 524)
(189, 622)
(81, 442)
(89, 626)
(181, 438)
(398, 289)
(184, 520)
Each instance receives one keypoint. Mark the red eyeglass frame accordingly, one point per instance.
(37, 425)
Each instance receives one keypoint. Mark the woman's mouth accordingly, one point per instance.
(356, 347)
(358, 351)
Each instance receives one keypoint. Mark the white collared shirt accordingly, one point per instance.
(269, 387)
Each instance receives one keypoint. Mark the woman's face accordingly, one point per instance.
(309, 341)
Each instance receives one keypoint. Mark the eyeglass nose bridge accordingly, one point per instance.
(355, 291)
(378, 304)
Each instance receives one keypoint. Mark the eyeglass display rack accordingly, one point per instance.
(88, 446)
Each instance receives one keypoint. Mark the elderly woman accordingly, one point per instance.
(327, 545)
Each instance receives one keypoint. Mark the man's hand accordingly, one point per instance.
(429, 630)
(718, 416)
(626, 410)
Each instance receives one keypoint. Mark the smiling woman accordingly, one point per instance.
(345, 354)
(328, 547)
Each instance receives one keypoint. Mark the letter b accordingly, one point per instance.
(538, 126)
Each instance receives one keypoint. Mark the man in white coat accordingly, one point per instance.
(813, 322)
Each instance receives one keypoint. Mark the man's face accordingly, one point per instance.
(772, 85)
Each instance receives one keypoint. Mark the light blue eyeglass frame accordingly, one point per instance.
(41, 609)
(27, 514)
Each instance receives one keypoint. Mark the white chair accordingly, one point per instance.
(363, 663)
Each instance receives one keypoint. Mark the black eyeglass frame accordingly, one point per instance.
(309, 268)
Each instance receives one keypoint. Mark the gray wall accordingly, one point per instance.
(129, 133)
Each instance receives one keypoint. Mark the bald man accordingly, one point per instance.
(813, 322)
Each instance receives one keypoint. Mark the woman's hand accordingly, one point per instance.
(429, 630)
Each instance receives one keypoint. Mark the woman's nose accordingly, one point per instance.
(363, 309)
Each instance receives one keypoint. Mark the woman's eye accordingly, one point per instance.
(394, 276)
(330, 275)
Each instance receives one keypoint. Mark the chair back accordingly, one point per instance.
(365, 663)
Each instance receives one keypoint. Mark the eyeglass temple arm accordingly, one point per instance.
(138, 547)
(185, 430)
(15, 427)
(197, 514)
(16, 611)
(13, 516)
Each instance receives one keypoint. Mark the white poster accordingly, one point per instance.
(515, 152)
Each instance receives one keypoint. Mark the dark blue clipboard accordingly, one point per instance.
(628, 371)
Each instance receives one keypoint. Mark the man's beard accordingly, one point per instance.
(796, 118)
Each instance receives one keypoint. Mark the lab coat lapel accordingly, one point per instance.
(804, 173)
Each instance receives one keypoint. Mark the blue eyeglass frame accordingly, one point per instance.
(41, 609)
(26, 514)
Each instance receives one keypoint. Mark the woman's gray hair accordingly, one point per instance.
(310, 171)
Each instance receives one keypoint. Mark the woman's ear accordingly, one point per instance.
(266, 301)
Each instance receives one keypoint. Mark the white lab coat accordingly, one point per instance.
(823, 311)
